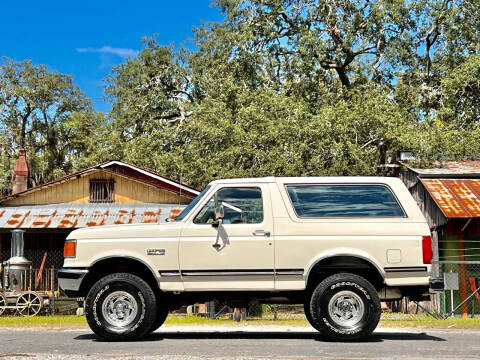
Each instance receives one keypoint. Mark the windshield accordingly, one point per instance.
(190, 206)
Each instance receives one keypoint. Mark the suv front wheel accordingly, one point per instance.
(162, 315)
(120, 306)
(345, 307)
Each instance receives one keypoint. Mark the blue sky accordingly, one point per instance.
(87, 38)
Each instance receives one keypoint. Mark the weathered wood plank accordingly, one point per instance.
(77, 190)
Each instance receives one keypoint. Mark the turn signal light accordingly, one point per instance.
(70, 248)
(427, 249)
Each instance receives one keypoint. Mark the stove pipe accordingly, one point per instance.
(17, 243)
(17, 252)
(15, 268)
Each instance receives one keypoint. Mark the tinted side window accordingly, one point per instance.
(344, 201)
(241, 206)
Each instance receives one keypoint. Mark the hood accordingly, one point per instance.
(127, 231)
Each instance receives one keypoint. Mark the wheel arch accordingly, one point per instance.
(345, 262)
(116, 264)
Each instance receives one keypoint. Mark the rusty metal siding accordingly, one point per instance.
(457, 198)
(70, 216)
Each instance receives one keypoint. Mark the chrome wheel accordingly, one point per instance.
(346, 308)
(119, 308)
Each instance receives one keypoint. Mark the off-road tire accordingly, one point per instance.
(308, 315)
(162, 314)
(345, 291)
(136, 291)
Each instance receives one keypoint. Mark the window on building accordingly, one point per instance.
(240, 205)
(101, 191)
(313, 201)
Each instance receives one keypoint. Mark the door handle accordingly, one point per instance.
(261, 233)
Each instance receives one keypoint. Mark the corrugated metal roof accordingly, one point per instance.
(457, 198)
(85, 215)
(465, 167)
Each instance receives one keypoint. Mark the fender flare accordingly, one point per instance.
(328, 256)
(96, 261)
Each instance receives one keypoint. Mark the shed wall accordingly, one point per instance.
(77, 190)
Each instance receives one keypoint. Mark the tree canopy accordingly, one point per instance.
(279, 87)
(45, 113)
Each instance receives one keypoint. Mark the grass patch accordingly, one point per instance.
(75, 322)
(60, 321)
(388, 320)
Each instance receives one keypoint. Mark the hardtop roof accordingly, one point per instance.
(311, 180)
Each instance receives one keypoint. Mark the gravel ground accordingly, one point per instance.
(240, 342)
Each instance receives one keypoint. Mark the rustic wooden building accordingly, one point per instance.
(449, 196)
(110, 193)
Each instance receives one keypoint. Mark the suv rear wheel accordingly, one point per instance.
(345, 307)
(120, 306)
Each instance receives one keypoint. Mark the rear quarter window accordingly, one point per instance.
(325, 200)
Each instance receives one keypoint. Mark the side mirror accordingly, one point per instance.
(219, 212)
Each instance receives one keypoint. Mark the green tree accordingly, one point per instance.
(153, 87)
(38, 112)
(280, 40)
(458, 95)
(303, 88)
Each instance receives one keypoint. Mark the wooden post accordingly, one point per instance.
(52, 287)
(436, 302)
(463, 276)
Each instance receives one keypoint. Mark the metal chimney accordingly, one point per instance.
(15, 268)
(17, 252)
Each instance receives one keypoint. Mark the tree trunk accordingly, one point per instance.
(343, 76)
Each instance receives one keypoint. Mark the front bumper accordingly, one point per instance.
(437, 284)
(70, 280)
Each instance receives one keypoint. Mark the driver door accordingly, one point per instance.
(239, 253)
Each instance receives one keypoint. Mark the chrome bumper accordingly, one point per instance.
(70, 279)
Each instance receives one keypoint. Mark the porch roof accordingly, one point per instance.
(72, 215)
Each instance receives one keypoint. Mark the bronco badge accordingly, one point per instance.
(155, 251)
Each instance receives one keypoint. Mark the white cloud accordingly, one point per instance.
(122, 52)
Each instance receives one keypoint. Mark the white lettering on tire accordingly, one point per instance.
(95, 316)
(348, 283)
(97, 320)
(346, 331)
(341, 331)
(142, 316)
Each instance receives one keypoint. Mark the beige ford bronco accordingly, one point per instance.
(337, 245)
